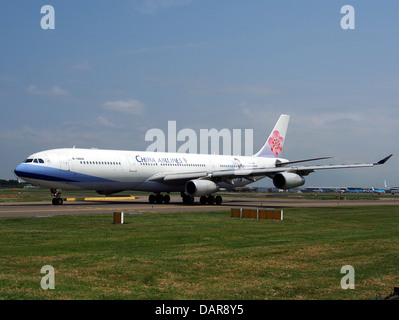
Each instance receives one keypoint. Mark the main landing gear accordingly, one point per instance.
(57, 200)
(210, 199)
(159, 198)
(187, 199)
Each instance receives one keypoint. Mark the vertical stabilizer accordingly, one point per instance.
(274, 144)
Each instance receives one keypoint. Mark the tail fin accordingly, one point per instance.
(274, 144)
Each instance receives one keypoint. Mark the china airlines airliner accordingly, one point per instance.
(193, 175)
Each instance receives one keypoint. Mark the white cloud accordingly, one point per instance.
(54, 91)
(105, 122)
(89, 124)
(130, 106)
(334, 119)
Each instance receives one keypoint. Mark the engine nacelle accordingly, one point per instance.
(288, 180)
(197, 188)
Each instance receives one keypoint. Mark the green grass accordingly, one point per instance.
(202, 255)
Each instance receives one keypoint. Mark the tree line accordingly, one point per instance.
(11, 184)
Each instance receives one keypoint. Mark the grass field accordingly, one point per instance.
(202, 255)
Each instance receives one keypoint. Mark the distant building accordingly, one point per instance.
(394, 190)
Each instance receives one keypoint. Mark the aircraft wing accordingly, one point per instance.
(301, 170)
(305, 170)
(250, 174)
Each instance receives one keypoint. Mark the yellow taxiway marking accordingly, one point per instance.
(101, 198)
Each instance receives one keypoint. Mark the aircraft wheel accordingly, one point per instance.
(166, 198)
(218, 200)
(151, 198)
(57, 201)
(203, 200)
(187, 199)
(159, 198)
(211, 199)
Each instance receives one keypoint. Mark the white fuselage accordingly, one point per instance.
(111, 171)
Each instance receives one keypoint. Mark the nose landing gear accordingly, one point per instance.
(57, 200)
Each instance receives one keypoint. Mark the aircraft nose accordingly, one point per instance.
(19, 170)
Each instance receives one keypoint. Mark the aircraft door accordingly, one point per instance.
(212, 165)
(132, 164)
(64, 162)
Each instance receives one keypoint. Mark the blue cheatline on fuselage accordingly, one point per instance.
(39, 172)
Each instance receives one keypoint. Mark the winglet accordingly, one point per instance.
(383, 160)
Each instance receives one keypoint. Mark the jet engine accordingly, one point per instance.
(197, 188)
(288, 180)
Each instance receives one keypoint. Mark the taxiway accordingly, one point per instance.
(141, 205)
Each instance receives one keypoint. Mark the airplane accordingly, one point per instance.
(193, 175)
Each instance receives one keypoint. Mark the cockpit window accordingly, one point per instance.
(34, 160)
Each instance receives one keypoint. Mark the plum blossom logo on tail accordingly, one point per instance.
(276, 142)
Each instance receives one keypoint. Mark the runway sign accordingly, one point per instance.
(118, 217)
(245, 213)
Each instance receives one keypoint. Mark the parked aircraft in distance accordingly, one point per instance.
(194, 175)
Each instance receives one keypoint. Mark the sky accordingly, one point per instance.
(109, 71)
